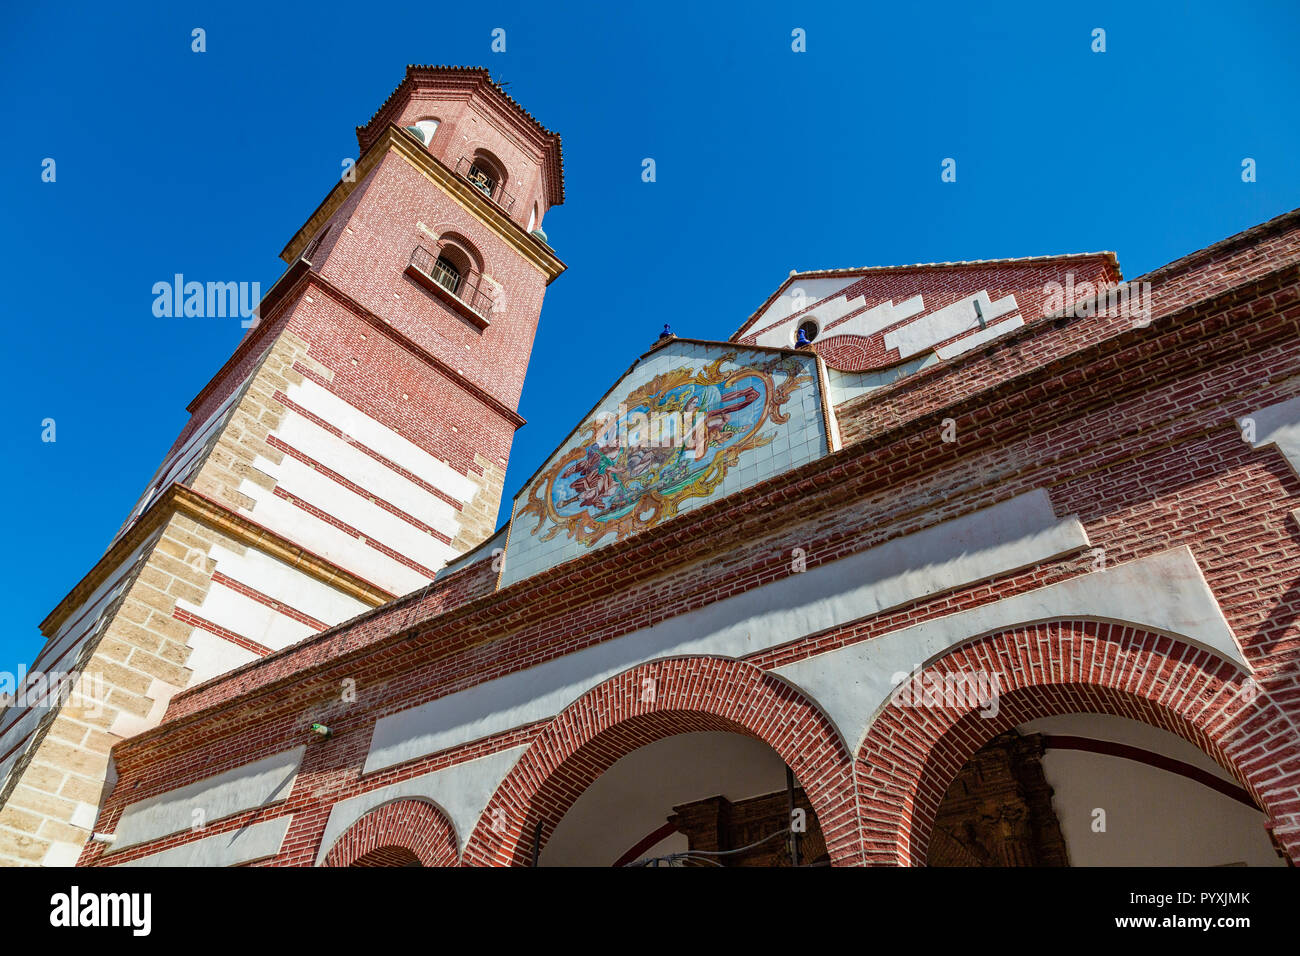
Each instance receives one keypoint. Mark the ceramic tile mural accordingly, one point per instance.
(690, 422)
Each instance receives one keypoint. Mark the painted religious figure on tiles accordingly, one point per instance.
(670, 440)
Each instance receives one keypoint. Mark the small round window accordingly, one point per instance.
(807, 331)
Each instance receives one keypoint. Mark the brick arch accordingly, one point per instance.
(689, 695)
(462, 248)
(416, 826)
(1065, 667)
(847, 352)
(480, 152)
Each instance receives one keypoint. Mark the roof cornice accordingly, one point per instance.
(857, 273)
(471, 81)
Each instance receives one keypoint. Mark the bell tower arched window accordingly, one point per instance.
(425, 129)
(486, 175)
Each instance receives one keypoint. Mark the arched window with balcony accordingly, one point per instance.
(454, 269)
(488, 175)
(458, 264)
(447, 274)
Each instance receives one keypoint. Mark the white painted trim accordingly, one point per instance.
(305, 529)
(834, 308)
(236, 611)
(1164, 592)
(944, 323)
(833, 440)
(303, 481)
(62, 854)
(128, 724)
(782, 308)
(878, 318)
(966, 343)
(849, 385)
(377, 436)
(210, 656)
(255, 784)
(344, 458)
(1277, 425)
(288, 585)
(256, 842)
(1014, 534)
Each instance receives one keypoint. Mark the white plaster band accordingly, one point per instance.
(1165, 593)
(255, 784)
(1014, 534)
(257, 842)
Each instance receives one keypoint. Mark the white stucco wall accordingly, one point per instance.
(1152, 816)
(1165, 593)
(800, 294)
(344, 457)
(635, 796)
(206, 801)
(1017, 533)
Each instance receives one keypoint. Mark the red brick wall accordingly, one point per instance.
(374, 246)
(468, 125)
(372, 372)
(1130, 429)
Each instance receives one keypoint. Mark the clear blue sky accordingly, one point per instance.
(768, 160)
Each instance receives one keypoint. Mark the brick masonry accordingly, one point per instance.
(387, 360)
(415, 825)
(1131, 429)
(135, 665)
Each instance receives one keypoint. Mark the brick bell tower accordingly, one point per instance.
(353, 444)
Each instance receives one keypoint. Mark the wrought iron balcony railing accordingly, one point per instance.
(484, 183)
(469, 291)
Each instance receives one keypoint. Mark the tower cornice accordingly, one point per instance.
(471, 82)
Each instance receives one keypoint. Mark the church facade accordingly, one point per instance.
(977, 563)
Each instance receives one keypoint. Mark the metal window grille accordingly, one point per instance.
(446, 275)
